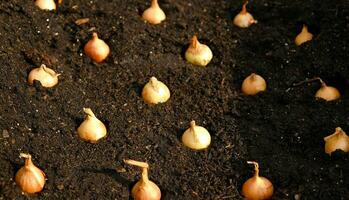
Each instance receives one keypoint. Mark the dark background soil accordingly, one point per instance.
(282, 129)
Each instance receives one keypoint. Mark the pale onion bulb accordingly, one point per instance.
(154, 14)
(155, 92)
(339, 140)
(46, 4)
(30, 178)
(303, 36)
(197, 53)
(91, 129)
(96, 49)
(196, 137)
(327, 93)
(257, 187)
(253, 84)
(144, 189)
(244, 19)
(46, 76)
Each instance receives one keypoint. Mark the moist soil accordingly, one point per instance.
(282, 129)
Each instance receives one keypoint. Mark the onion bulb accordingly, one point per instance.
(154, 14)
(96, 49)
(303, 36)
(197, 53)
(46, 76)
(337, 141)
(244, 19)
(253, 84)
(327, 93)
(144, 189)
(30, 178)
(257, 187)
(91, 129)
(196, 137)
(155, 92)
(46, 4)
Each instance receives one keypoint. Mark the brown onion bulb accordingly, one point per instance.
(91, 129)
(197, 53)
(144, 189)
(327, 93)
(339, 140)
(46, 4)
(244, 19)
(155, 92)
(253, 84)
(154, 14)
(257, 187)
(303, 36)
(196, 137)
(96, 49)
(46, 76)
(30, 178)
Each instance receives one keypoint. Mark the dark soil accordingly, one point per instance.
(282, 128)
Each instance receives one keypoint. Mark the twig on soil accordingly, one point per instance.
(303, 82)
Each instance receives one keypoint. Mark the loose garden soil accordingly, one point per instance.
(282, 128)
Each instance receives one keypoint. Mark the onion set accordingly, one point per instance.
(96, 49)
(30, 178)
(339, 140)
(253, 84)
(197, 53)
(46, 4)
(257, 187)
(155, 92)
(144, 189)
(91, 129)
(327, 93)
(244, 19)
(303, 36)
(196, 137)
(46, 76)
(154, 14)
